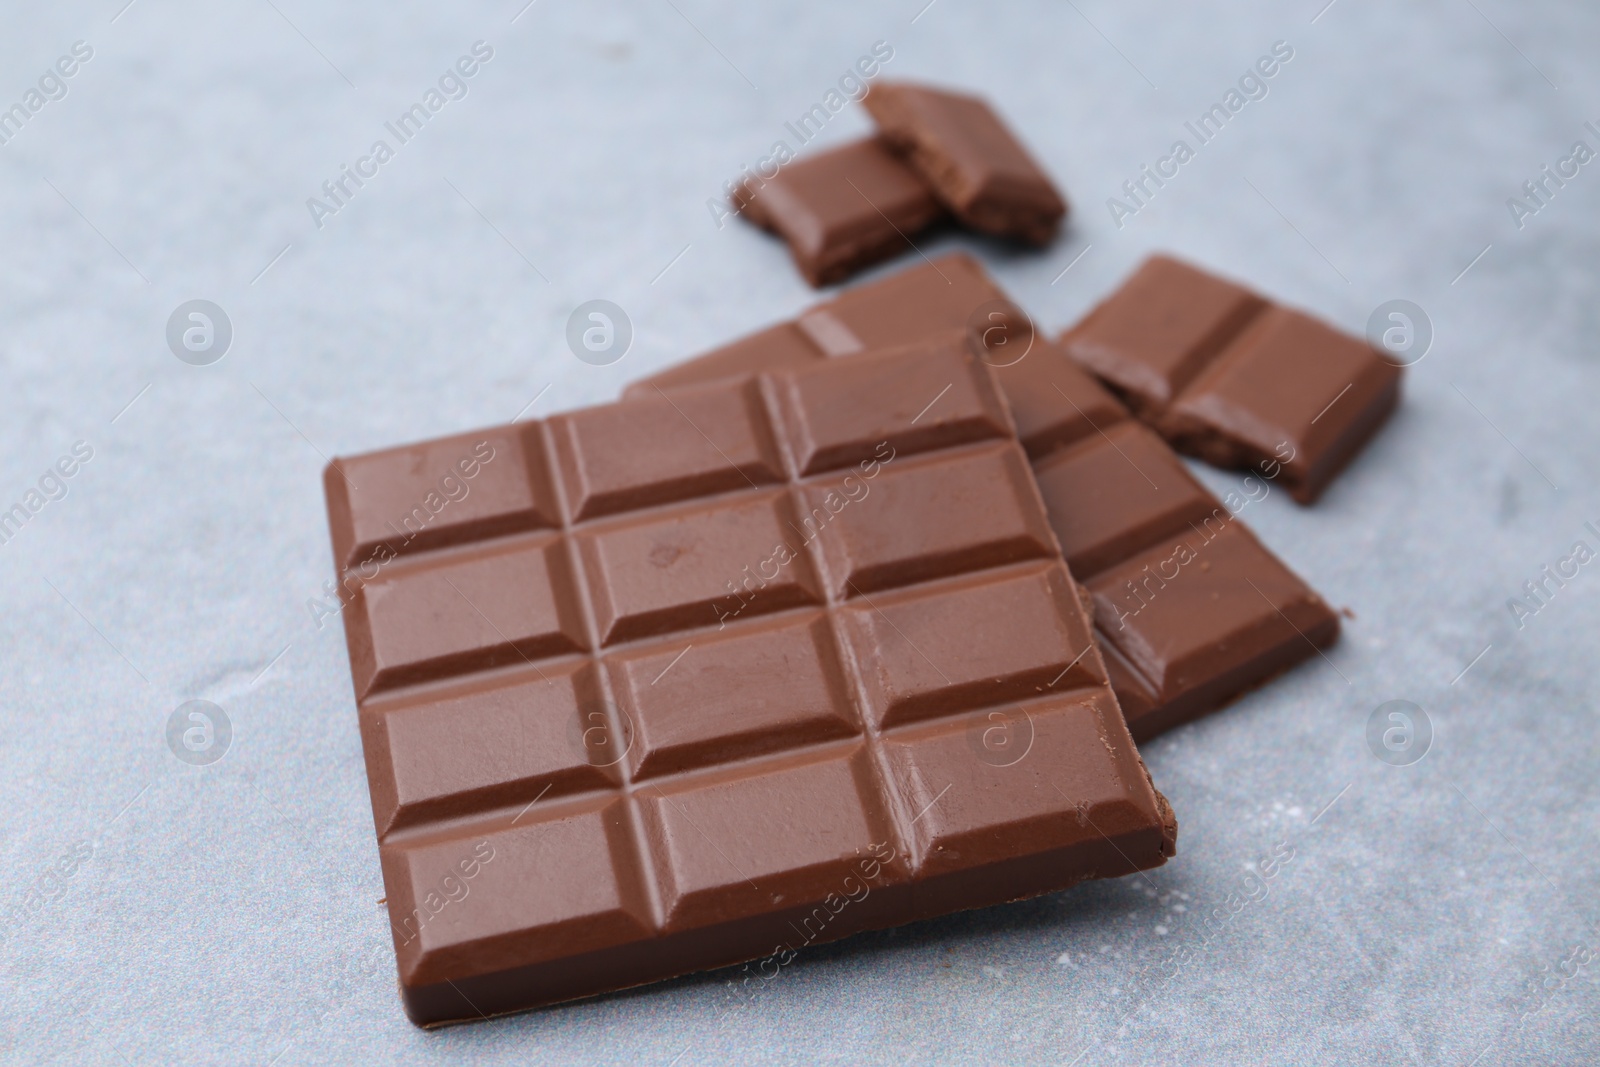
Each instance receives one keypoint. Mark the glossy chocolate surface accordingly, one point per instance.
(718, 673)
(974, 162)
(1113, 490)
(1239, 382)
(842, 209)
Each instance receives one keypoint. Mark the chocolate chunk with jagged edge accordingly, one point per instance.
(1226, 376)
(842, 209)
(976, 165)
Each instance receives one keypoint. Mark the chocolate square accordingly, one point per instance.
(756, 664)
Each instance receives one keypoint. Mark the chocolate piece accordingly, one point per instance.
(940, 295)
(1227, 377)
(841, 210)
(1185, 637)
(979, 169)
(705, 676)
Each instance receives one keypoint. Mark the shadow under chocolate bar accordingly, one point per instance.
(685, 681)
(1190, 609)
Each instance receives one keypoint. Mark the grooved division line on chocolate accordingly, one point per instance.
(508, 642)
(902, 634)
(736, 468)
(1105, 529)
(1102, 433)
(735, 739)
(768, 426)
(1235, 379)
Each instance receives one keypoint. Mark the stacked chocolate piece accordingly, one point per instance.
(1190, 609)
(850, 622)
(937, 155)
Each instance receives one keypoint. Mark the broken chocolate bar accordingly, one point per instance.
(1190, 609)
(1234, 380)
(841, 210)
(978, 168)
(708, 676)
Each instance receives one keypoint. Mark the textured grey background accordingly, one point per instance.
(228, 913)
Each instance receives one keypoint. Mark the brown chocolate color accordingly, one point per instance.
(1234, 380)
(1179, 639)
(714, 675)
(841, 210)
(979, 169)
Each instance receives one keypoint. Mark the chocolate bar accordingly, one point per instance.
(1190, 609)
(712, 675)
(978, 168)
(1239, 382)
(841, 210)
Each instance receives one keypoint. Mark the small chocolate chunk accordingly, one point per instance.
(977, 166)
(1239, 382)
(841, 210)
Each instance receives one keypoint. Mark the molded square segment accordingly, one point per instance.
(1155, 333)
(1288, 390)
(1053, 402)
(562, 879)
(925, 517)
(841, 209)
(925, 396)
(926, 300)
(1212, 608)
(660, 448)
(425, 619)
(1117, 493)
(970, 643)
(443, 492)
(688, 568)
(490, 741)
(751, 844)
(1051, 787)
(751, 690)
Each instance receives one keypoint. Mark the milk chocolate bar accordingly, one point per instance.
(1190, 609)
(712, 675)
(1226, 376)
(978, 168)
(841, 210)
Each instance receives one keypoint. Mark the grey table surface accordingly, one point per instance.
(158, 911)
